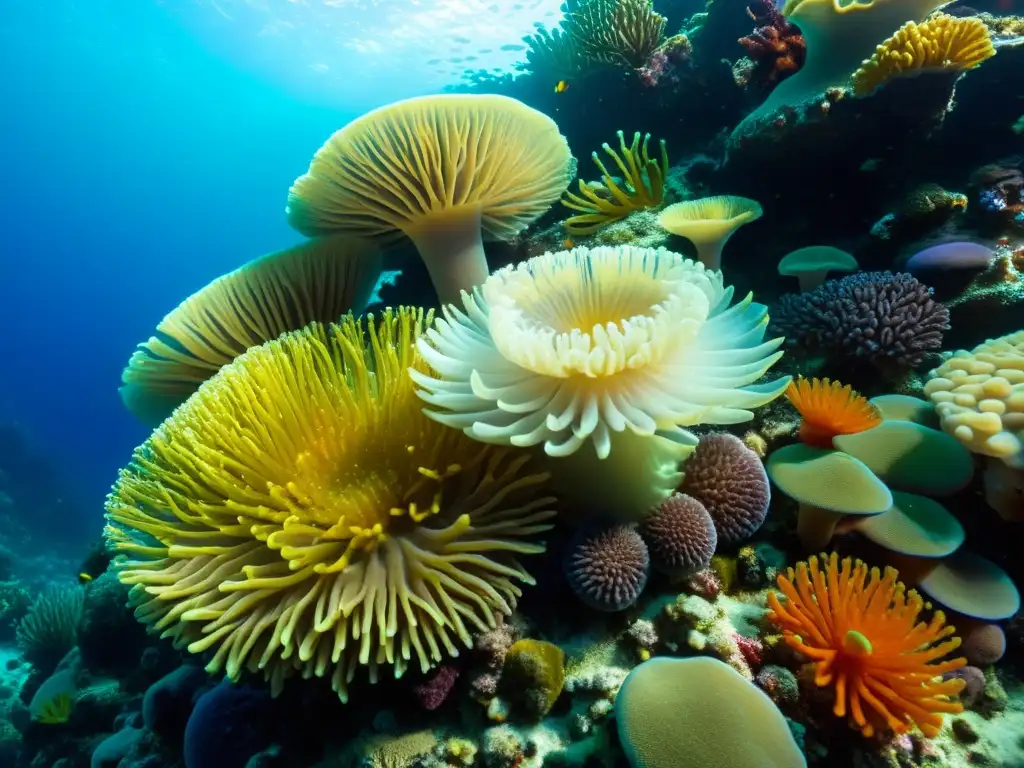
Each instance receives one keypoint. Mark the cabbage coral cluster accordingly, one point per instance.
(611, 347)
(300, 514)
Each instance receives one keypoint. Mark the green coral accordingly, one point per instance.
(47, 632)
(533, 676)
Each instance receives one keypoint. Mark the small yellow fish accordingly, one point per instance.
(84, 578)
(561, 86)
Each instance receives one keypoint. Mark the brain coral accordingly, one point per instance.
(607, 569)
(879, 318)
(299, 513)
(730, 481)
(979, 397)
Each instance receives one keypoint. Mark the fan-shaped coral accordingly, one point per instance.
(827, 408)
(47, 632)
(316, 281)
(860, 628)
(940, 42)
(621, 32)
(643, 187)
(879, 318)
(599, 346)
(299, 513)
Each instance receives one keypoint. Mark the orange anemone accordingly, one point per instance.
(864, 637)
(827, 408)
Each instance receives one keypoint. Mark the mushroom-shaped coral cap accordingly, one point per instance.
(915, 526)
(896, 407)
(612, 346)
(973, 586)
(709, 222)
(447, 171)
(729, 480)
(812, 264)
(319, 280)
(827, 485)
(700, 713)
(979, 397)
(300, 515)
(681, 536)
(911, 457)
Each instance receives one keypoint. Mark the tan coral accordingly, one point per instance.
(979, 398)
(941, 42)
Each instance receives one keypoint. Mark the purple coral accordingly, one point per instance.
(433, 692)
(608, 568)
(975, 684)
(681, 536)
(880, 318)
(729, 479)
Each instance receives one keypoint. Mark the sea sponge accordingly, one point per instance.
(681, 536)
(607, 568)
(877, 318)
(984, 644)
(47, 632)
(730, 481)
(643, 187)
(619, 347)
(979, 397)
(446, 171)
(533, 676)
(700, 713)
(864, 637)
(828, 409)
(316, 281)
(940, 42)
(300, 514)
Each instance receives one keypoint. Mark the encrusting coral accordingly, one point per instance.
(300, 514)
(618, 347)
(861, 630)
(940, 42)
(643, 186)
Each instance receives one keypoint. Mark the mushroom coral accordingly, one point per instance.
(619, 347)
(700, 713)
(319, 280)
(860, 628)
(839, 36)
(643, 187)
(709, 222)
(941, 42)
(446, 171)
(299, 513)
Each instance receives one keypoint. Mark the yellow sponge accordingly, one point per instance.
(941, 42)
(979, 398)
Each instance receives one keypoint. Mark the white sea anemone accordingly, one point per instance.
(606, 345)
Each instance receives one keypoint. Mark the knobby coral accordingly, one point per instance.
(776, 46)
(940, 42)
(879, 318)
(827, 409)
(621, 32)
(300, 513)
(609, 345)
(643, 186)
(860, 628)
(607, 568)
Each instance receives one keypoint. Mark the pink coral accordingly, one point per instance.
(751, 649)
(433, 692)
(681, 536)
(706, 584)
(776, 46)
